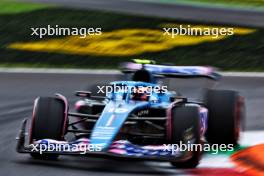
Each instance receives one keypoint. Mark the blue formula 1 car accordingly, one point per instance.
(137, 119)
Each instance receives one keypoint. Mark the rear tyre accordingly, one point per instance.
(226, 111)
(185, 126)
(48, 122)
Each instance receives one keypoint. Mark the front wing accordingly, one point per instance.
(119, 149)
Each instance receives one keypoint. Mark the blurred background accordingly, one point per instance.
(132, 29)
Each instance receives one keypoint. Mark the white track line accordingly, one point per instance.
(243, 74)
(59, 71)
(215, 161)
(105, 71)
(249, 138)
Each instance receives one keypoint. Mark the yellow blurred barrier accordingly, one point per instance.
(121, 42)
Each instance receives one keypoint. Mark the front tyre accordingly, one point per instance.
(48, 122)
(185, 126)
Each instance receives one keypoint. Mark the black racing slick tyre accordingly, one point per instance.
(185, 127)
(226, 111)
(48, 122)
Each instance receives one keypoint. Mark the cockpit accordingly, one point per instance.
(140, 93)
(133, 91)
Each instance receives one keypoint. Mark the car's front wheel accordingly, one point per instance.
(185, 129)
(48, 122)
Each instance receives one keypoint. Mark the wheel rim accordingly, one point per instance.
(239, 110)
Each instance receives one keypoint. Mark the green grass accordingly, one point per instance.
(256, 4)
(227, 153)
(235, 53)
(10, 7)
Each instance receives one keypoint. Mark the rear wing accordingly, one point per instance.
(173, 71)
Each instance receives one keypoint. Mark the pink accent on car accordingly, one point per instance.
(117, 151)
(238, 113)
(79, 104)
(61, 97)
(169, 119)
(32, 120)
(203, 119)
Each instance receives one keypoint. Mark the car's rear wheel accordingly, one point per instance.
(185, 127)
(226, 112)
(48, 122)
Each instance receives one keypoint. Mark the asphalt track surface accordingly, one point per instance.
(18, 90)
(175, 11)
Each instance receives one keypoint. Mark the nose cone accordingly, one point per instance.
(110, 122)
(103, 136)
